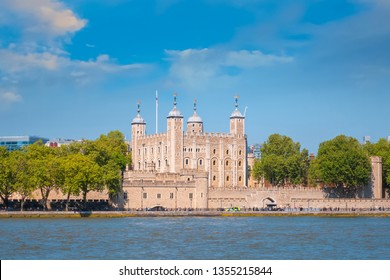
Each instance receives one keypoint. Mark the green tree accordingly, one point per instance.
(23, 175)
(7, 176)
(83, 175)
(46, 170)
(282, 162)
(343, 165)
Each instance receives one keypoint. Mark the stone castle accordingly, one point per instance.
(187, 168)
(178, 168)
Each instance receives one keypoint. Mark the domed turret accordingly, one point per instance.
(195, 123)
(236, 113)
(138, 129)
(237, 121)
(175, 113)
(138, 119)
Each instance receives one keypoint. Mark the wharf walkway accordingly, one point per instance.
(211, 213)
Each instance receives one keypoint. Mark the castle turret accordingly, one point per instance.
(237, 121)
(195, 123)
(175, 139)
(138, 128)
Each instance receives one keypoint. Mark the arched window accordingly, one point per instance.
(227, 163)
(239, 163)
(227, 178)
(186, 161)
(200, 162)
(214, 178)
(239, 179)
(214, 162)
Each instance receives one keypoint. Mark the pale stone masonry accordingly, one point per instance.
(185, 163)
(188, 168)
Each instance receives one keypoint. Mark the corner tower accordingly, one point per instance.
(237, 121)
(195, 123)
(138, 129)
(174, 158)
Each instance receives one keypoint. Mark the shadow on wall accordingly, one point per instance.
(350, 192)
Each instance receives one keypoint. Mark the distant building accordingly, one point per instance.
(13, 143)
(59, 142)
(366, 139)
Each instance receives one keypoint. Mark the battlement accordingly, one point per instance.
(209, 134)
(152, 136)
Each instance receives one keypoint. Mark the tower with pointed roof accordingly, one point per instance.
(138, 128)
(237, 122)
(174, 139)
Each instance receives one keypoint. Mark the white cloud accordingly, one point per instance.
(10, 97)
(252, 59)
(45, 17)
(38, 54)
(193, 66)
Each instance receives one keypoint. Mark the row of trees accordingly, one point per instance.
(75, 169)
(340, 163)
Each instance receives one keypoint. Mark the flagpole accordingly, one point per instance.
(156, 112)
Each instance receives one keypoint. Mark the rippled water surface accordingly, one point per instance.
(196, 238)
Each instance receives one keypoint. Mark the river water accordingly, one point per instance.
(196, 238)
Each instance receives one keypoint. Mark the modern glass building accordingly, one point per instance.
(13, 143)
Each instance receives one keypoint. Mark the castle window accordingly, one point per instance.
(159, 196)
(214, 162)
(139, 152)
(239, 178)
(145, 195)
(139, 165)
(227, 163)
(214, 151)
(239, 163)
(186, 161)
(214, 178)
(171, 195)
(227, 152)
(227, 178)
(200, 162)
(190, 195)
(152, 150)
(159, 163)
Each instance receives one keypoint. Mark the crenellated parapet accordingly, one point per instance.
(158, 137)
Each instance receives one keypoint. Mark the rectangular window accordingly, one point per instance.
(171, 195)
(159, 195)
(191, 195)
(145, 195)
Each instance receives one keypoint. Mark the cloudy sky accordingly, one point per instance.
(308, 69)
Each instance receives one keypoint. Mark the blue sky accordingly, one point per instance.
(310, 70)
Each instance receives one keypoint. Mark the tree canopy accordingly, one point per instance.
(282, 162)
(381, 149)
(74, 169)
(341, 163)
